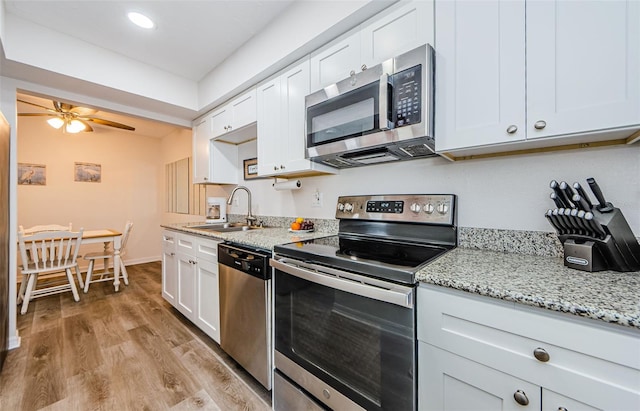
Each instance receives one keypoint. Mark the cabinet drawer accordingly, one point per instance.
(207, 250)
(186, 244)
(169, 239)
(504, 336)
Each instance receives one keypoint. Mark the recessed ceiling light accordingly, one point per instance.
(140, 20)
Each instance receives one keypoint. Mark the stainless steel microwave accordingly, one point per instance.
(382, 114)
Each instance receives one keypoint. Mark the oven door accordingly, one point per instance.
(347, 339)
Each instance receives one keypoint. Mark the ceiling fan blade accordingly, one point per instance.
(107, 123)
(36, 105)
(88, 128)
(83, 111)
(37, 114)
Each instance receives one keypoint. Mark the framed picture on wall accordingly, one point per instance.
(32, 174)
(251, 169)
(88, 172)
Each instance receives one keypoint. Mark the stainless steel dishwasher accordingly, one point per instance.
(245, 308)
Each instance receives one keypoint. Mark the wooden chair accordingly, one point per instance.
(105, 256)
(46, 252)
(50, 227)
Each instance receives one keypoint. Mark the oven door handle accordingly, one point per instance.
(348, 282)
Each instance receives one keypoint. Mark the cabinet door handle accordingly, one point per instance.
(562, 409)
(363, 67)
(352, 73)
(172, 254)
(541, 354)
(540, 124)
(225, 128)
(275, 168)
(512, 129)
(229, 128)
(521, 397)
(281, 167)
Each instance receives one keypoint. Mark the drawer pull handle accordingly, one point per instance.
(562, 409)
(541, 354)
(521, 397)
(540, 124)
(512, 129)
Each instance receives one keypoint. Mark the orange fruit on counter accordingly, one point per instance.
(295, 226)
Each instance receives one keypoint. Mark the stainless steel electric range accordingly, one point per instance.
(345, 322)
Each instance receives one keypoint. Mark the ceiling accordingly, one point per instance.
(143, 127)
(190, 39)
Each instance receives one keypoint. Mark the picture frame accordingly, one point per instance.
(250, 166)
(87, 172)
(32, 174)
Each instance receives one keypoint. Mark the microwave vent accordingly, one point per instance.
(337, 162)
(417, 150)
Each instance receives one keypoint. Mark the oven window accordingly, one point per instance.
(363, 347)
(352, 114)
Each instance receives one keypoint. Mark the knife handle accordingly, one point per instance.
(583, 194)
(556, 200)
(597, 227)
(568, 192)
(581, 202)
(603, 207)
(560, 194)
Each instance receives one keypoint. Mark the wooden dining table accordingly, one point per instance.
(107, 236)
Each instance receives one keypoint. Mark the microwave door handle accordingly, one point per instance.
(383, 102)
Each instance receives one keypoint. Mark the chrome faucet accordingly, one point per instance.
(250, 218)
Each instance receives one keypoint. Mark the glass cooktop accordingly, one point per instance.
(387, 259)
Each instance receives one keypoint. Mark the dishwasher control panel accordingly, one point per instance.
(251, 261)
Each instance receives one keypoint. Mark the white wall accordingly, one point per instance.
(131, 179)
(502, 192)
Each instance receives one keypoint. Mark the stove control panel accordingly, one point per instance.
(414, 208)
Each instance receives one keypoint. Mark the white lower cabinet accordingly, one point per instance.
(190, 279)
(480, 353)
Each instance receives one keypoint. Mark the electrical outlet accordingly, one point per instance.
(316, 200)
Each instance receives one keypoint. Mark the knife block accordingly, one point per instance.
(618, 251)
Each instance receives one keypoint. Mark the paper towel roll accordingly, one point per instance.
(287, 185)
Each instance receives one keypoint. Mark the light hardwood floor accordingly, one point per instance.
(121, 351)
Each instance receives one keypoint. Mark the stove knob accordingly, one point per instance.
(348, 207)
(428, 208)
(415, 207)
(443, 208)
(340, 207)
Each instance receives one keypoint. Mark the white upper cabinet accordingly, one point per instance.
(397, 29)
(480, 73)
(583, 70)
(512, 71)
(281, 125)
(235, 115)
(201, 137)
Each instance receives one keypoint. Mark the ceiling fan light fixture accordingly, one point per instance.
(141, 20)
(56, 122)
(74, 126)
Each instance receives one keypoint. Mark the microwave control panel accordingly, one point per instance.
(407, 96)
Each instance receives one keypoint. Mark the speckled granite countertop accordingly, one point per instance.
(265, 238)
(541, 282)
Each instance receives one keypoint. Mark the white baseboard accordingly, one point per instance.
(14, 342)
(142, 260)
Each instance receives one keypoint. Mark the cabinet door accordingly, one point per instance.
(335, 62)
(220, 121)
(582, 66)
(270, 138)
(244, 110)
(201, 137)
(399, 30)
(295, 87)
(169, 267)
(450, 382)
(207, 316)
(480, 65)
(186, 281)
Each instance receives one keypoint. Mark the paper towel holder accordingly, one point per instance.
(286, 184)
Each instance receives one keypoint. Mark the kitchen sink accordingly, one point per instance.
(224, 227)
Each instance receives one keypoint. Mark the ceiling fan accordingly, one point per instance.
(75, 119)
